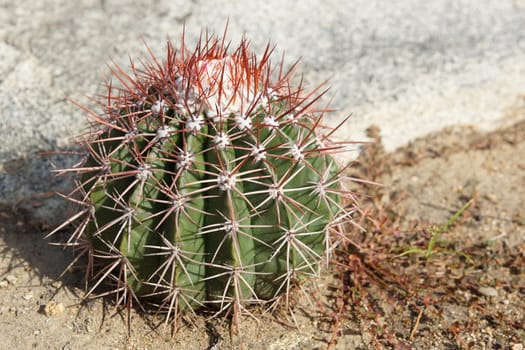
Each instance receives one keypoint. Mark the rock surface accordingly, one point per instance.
(411, 67)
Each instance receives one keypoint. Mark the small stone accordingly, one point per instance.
(488, 291)
(53, 308)
(27, 296)
(491, 197)
(518, 346)
(4, 284)
(57, 284)
(11, 279)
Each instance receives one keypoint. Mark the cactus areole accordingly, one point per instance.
(209, 180)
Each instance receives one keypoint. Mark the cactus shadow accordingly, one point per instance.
(29, 208)
(23, 249)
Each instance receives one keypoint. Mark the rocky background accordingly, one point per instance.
(410, 67)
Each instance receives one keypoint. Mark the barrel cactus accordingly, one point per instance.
(209, 180)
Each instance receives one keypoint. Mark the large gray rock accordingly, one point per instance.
(409, 66)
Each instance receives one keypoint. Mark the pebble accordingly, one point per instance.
(11, 279)
(4, 284)
(53, 308)
(517, 346)
(57, 284)
(27, 296)
(488, 291)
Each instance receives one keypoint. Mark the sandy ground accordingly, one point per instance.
(426, 183)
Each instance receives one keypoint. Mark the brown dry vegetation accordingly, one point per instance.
(452, 278)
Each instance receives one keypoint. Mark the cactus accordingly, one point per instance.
(209, 180)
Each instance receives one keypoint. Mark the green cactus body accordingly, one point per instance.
(208, 183)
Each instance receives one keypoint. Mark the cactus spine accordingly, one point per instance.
(209, 179)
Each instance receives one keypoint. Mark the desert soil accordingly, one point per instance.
(469, 292)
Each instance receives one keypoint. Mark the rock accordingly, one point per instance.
(488, 291)
(57, 284)
(11, 279)
(27, 296)
(386, 66)
(53, 308)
